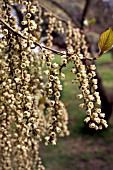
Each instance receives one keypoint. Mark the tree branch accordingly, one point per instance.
(41, 46)
(85, 13)
(63, 10)
(36, 43)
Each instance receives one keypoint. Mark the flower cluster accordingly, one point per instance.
(56, 115)
(30, 84)
(85, 75)
(22, 122)
(53, 25)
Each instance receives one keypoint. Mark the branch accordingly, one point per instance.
(64, 11)
(36, 43)
(41, 46)
(94, 58)
(85, 13)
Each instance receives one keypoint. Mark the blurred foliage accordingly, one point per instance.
(102, 11)
(99, 12)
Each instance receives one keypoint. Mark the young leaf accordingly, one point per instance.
(106, 41)
(92, 21)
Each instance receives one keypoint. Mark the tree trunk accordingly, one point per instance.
(106, 99)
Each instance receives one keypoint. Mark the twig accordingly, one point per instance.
(85, 11)
(42, 46)
(36, 43)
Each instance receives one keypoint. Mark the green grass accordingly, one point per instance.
(81, 151)
(106, 70)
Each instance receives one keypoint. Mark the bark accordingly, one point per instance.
(106, 99)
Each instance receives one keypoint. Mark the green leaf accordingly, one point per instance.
(106, 41)
(92, 21)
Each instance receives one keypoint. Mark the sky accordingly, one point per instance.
(110, 1)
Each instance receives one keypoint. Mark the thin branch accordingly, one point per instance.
(41, 46)
(92, 59)
(85, 12)
(36, 43)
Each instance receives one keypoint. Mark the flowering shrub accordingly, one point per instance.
(31, 82)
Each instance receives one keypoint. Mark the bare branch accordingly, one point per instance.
(85, 12)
